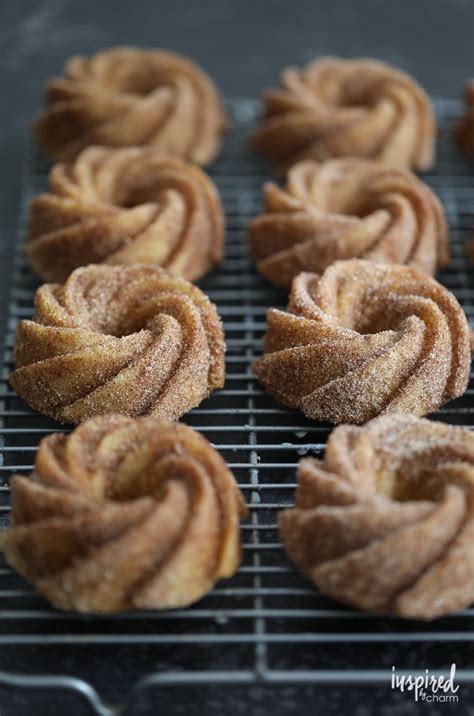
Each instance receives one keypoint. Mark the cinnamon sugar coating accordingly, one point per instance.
(343, 209)
(119, 339)
(124, 96)
(124, 206)
(366, 339)
(125, 514)
(385, 522)
(464, 130)
(358, 108)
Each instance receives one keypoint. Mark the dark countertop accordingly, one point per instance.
(242, 44)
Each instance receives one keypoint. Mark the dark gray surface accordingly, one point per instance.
(242, 44)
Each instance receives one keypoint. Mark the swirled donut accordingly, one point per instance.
(119, 339)
(125, 514)
(385, 522)
(464, 130)
(343, 209)
(366, 339)
(340, 108)
(123, 206)
(129, 97)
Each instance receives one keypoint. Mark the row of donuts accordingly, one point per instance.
(332, 107)
(116, 208)
(102, 204)
(147, 509)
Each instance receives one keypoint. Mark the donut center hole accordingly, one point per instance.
(113, 314)
(133, 486)
(368, 315)
(138, 191)
(134, 477)
(142, 473)
(340, 192)
(356, 96)
(347, 202)
(118, 326)
(420, 481)
(141, 79)
(420, 486)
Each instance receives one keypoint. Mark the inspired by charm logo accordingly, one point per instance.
(428, 687)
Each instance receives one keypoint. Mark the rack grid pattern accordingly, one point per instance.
(267, 625)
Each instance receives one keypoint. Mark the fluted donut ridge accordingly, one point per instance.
(365, 339)
(126, 96)
(124, 206)
(125, 514)
(123, 339)
(385, 522)
(343, 209)
(356, 107)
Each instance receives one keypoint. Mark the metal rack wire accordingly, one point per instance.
(267, 626)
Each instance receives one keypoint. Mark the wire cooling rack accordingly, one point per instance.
(266, 633)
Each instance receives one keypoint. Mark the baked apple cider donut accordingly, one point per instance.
(385, 522)
(344, 209)
(126, 206)
(347, 108)
(119, 339)
(124, 97)
(366, 339)
(125, 514)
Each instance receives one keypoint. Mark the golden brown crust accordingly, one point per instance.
(464, 130)
(125, 514)
(124, 206)
(359, 108)
(366, 339)
(385, 522)
(119, 339)
(343, 209)
(124, 96)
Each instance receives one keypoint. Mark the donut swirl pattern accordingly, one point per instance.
(125, 514)
(129, 97)
(347, 108)
(385, 522)
(123, 206)
(366, 339)
(344, 209)
(113, 339)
